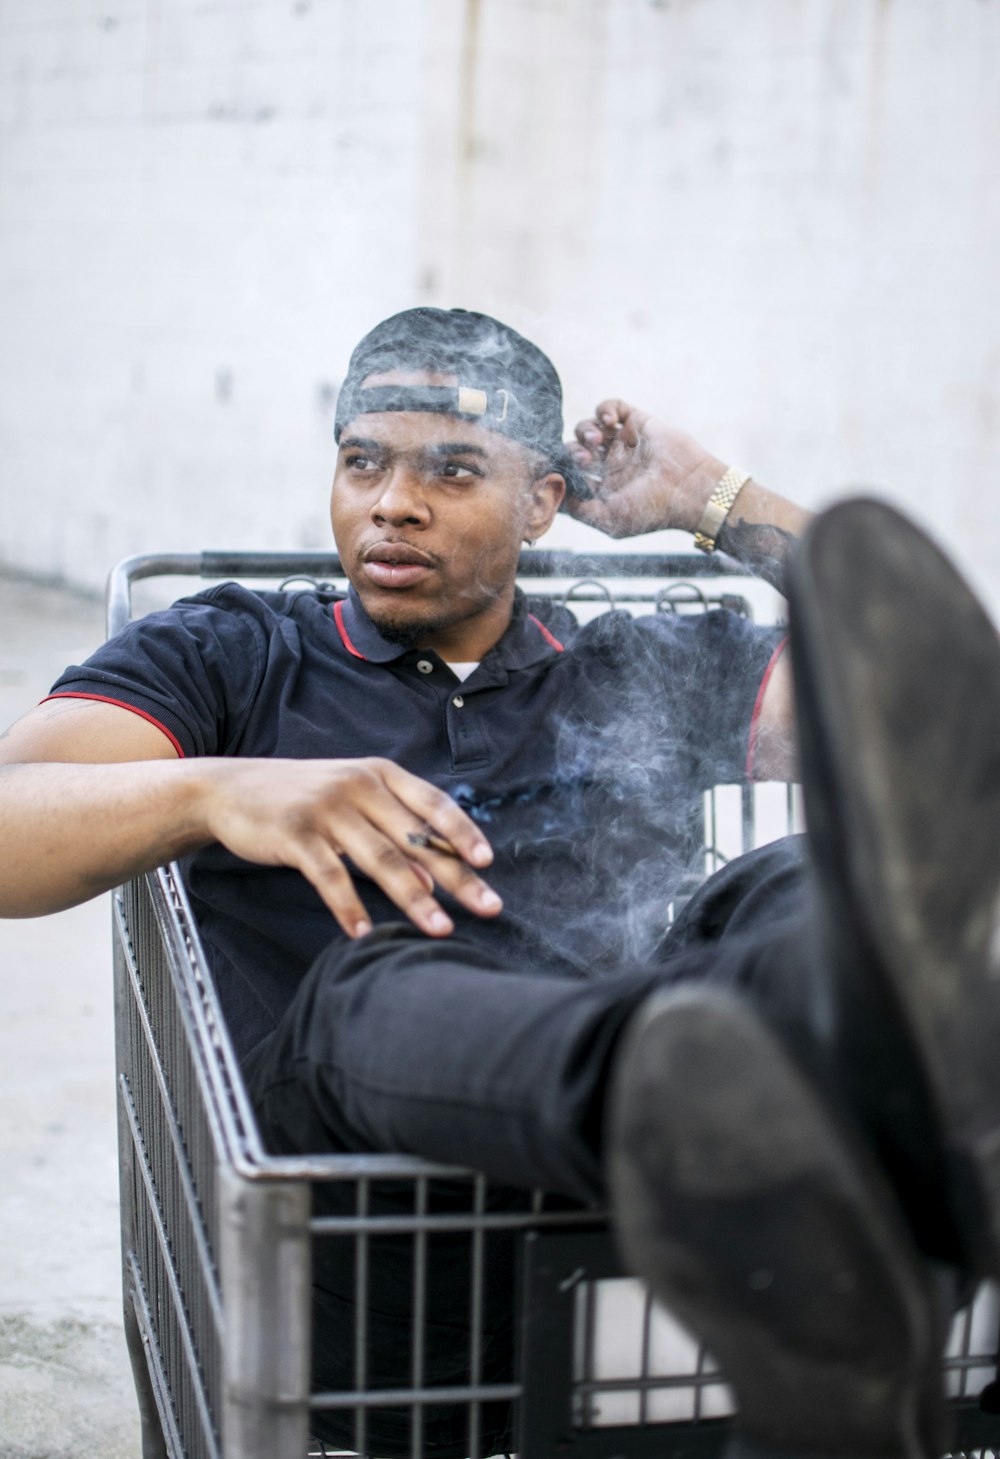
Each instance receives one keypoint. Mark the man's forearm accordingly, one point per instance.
(761, 532)
(70, 832)
(648, 475)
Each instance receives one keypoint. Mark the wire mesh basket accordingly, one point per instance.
(225, 1246)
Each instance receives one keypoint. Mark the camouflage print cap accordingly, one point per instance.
(502, 381)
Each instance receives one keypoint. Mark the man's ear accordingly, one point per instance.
(544, 500)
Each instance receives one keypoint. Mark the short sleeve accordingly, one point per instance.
(193, 670)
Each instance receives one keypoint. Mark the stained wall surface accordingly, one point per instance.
(776, 222)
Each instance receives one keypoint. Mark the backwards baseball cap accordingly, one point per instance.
(503, 381)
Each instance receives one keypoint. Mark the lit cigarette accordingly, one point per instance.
(428, 841)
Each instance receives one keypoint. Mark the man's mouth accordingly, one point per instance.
(395, 565)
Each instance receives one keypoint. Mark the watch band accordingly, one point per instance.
(718, 507)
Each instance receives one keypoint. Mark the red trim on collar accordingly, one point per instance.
(772, 664)
(549, 638)
(120, 704)
(338, 613)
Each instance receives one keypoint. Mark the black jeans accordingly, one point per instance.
(407, 1044)
(404, 1043)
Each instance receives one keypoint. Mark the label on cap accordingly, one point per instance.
(471, 402)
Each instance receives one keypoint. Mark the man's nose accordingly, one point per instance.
(401, 498)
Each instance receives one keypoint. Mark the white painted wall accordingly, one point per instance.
(777, 221)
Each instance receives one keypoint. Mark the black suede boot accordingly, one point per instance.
(764, 1224)
(756, 1194)
(897, 674)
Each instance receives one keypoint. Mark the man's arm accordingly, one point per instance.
(647, 476)
(92, 794)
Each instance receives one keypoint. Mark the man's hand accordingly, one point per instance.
(91, 795)
(645, 475)
(316, 814)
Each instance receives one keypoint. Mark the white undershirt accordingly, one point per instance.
(462, 671)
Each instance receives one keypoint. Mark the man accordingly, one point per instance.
(789, 1097)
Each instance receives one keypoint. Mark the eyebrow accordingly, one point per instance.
(457, 448)
(442, 448)
(360, 443)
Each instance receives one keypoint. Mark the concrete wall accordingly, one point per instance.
(777, 221)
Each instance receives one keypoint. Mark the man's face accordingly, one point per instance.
(429, 513)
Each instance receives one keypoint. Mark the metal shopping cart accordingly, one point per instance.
(221, 1240)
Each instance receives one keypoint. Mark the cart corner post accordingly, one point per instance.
(265, 1270)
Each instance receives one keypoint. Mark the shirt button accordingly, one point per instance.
(458, 701)
(425, 666)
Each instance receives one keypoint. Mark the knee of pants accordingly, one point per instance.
(341, 1014)
(760, 889)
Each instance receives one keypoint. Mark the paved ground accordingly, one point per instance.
(65, 1384)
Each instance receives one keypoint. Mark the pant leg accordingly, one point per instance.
(750, 893)
(748, 929)
(404, 1043)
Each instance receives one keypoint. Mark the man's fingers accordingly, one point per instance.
(618, 417)
(403, 833)
(406, 876)
(607, 445)
(405, 884)
(320, 864)
(424, 875)
(442, 863)
(437, 815)
(614, 411)
(588, 434)
(463, 884)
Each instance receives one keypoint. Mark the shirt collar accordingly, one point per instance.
(525, 641)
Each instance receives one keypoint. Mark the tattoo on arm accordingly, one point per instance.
(763, 548)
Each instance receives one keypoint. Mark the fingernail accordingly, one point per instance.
(488, 898)
(362, 927)
(438, 922)
(482, 855)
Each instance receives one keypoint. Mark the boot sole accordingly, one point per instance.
(761, 1227)
(902, 701)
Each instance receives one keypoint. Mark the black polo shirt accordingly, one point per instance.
(582, 751)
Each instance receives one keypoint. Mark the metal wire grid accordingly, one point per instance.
(970, 1357)
(170, 1269)
(621, 1393)
(658, 1373)
(172, 1219)
(412, 1237)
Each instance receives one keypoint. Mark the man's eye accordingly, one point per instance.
(456, 472)
(360, 463)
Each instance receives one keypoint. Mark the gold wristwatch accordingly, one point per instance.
(718, 507)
